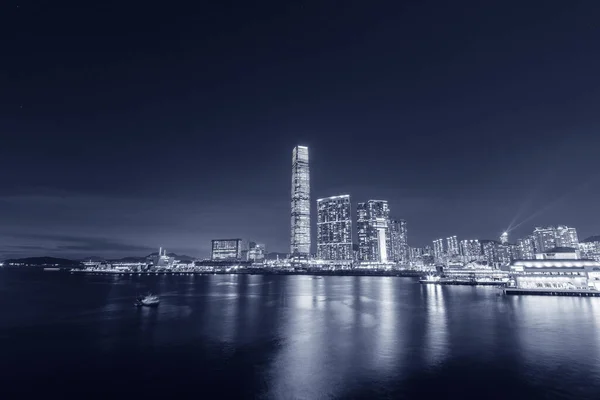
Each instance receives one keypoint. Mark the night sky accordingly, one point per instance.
(131, 125)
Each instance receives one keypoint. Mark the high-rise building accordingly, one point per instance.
(504, 238)
(374, 239)
(452, 246)
(526, 248)
(256, 251)
(544, 238)
(300, 221)
(566, 237)
(438, 250)
(398, 234)
(334, 228)
(227, 249)
(471, 249)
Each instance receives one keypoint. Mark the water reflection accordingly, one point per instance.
(297, 337)
(436, 331)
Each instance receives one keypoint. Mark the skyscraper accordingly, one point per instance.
(398, 235)
(544, 238)
(334, 228)
(471, 249)
(374, 239)
(300, 221)
(452, 246)
(438, 250)
(526, 248)
(567, 237)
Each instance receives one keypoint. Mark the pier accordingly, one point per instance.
(552, 292)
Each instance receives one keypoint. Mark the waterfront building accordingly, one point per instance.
(473, 272)
(544, 238)
(398, 232)
(374, 239)
(256, 251)
(561, 274)
(300, 216)
(471, 250)
(438, 250)
(558, 253)
(334, 228)
(525, 248)
(452, 246)
(227, 249)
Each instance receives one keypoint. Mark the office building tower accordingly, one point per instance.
(256, 251)
(525, 248)
(334, 228)
(471, 249)
(544, 238)
(374, 239)
(300, 221)
(567, 237)
(452, 246)
(398, 234)
(438, 250)
(504, 238)
(227, 249)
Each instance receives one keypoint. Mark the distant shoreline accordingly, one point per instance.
(254, 271)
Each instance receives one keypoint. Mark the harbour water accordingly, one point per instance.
(291, 337)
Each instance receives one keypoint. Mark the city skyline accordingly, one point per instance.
(173, 132)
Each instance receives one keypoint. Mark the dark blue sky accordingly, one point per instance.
(130, 125)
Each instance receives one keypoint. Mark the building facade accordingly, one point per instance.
(525, 248)
(590, 248)
(227, 249)
(374, 239)
(471, 249)
(544, 238)
(300, 217)
(438, 250)
(566, 237)
(256, 251)
(398, 232)
(334, 228)
(452, 246)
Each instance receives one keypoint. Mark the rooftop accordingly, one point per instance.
(555, 263)
(561, 250)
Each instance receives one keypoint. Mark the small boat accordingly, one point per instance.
(430, 279)
(149, 300)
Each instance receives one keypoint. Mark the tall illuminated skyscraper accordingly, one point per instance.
(334, 228)
(452, 246)
(374, 239)
(438, 250)
(398, 233)
(300, 221)
(544, 238)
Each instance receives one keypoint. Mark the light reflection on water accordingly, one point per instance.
(297, 337)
